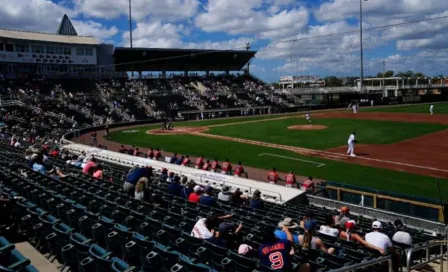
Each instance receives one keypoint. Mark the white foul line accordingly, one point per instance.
(291, 158)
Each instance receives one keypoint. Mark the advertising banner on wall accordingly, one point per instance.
(16, 57)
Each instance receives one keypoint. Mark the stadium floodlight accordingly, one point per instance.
(130, 23)
(361, 47)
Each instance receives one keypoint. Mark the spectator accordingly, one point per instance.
(225, 195)
(196, 195)
(379, 239)
(157, 154)
(215, 166)
(343, 217)
(94, 140)
(136, 152)
(290, 179)
(273, 176)
(275, 253)
(308, 216)
(187, 190)
(89, 166)
(173, 159)
(290, 224)
(199, 162)
(131, 150)
(37, 164)
(174, 188)
(164, 175)
(239, 170)
(227, 236)
(170, 177)
(133, 177)
(186, 161)
(308, 241)
(204, 227)
(237, 196)
(308, 185)
(246, 251)
(350, 235)
(98, 173)
(122, 149)
(401, 236)
(256, 202)
(206, 165)
(329, 228)
(207, 198)
(140, 190)
(180, 160)
(226, 167)
(150, 153)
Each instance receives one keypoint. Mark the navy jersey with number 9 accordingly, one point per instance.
(276, 255)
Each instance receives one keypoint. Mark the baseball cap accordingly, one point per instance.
(288, 222)
(398, 224)
(208, 188)
(351, 224)
(377, 225)
(197, 189)
(244, 249)
(310, 224)
(225, 189)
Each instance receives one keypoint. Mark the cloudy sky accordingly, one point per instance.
(266, 24)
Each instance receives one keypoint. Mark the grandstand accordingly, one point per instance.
(57, 86)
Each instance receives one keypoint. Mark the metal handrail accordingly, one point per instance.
(366, 264)
(428, 259)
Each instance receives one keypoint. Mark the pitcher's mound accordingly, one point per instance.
(177, 130)
(308, 127)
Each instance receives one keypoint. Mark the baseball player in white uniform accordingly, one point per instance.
(431, 109)
(355, 108)
(308, 118)
(351, 145)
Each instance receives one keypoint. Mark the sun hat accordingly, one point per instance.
(288, 222)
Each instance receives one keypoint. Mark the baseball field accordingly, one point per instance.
(402, 149)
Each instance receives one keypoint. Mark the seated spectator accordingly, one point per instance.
(308, 185)
(204, 227)
(246, 251)
(350, 235)
(140, 190)
(207, 198)
(206, 165)
(136, 152)
(215, 166)
(164, 175)
(239, 170)
(186, 161)
(187, 190)
(98, 172)
(401, 236)
(290, 224)
(227, 236)
(308, 241)
(343, 217)
(225, 195)
(173, 159)
(55, 152)
(38, 164)
(256, 202)
(199, 162)
(273, 176)
(329, 228)
(180, 160)
(226, 167)
(170, 177)
(56, 173)
(133, 177)
(89, 166)
(150, 153)
(237, 196)
(308, 216)
(379, 239)
(157, 154)
(131, 150)
(196, 195)
(290, 179)
(275, 253)
(174, 188)
(122, 149)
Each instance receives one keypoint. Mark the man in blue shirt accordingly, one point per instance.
(290, 224)
(180, 160)
(134, 175)
(173, 159)
(256, 202)
(174, 187)
(207, 199)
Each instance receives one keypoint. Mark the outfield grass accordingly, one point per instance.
(367, 132)
(439, 108)
(377, 178)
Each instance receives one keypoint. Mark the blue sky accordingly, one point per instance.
(226, 24)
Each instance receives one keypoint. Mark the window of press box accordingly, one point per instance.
(80, 51)
(9, 47)
(22, 48)
(67, 51)
(2, 47)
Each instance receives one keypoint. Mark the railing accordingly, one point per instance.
(428, 258)
(366, 264)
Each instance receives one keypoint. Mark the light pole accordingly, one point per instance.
(130, 23)
(360, 42)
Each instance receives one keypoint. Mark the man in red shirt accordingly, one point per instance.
(150, 153)
(157, 154)
(215, 165)
(199, 162)
(206, 166)
(308, 184)
(239, 170)
(186, 161)
(196, 195)
(226, 167)
(273, 177)
(290, 179)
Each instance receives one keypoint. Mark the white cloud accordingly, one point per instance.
(95, 29)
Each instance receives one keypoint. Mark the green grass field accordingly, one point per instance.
(276, 131)
(439, 108)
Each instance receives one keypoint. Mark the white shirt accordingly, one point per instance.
(402, 237)
(329, 231)
(200, 230)
(431, 107)
(378, 239)
(351, 139)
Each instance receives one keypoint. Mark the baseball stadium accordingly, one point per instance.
(159, 159)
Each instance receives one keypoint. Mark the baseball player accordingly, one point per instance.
(355, 108)
(351, 145)
(431, 109)
(308, 118)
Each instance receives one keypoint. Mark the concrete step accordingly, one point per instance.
(37, 259)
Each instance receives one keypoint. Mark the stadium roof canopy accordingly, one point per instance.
(66, 34)
(158, 59)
